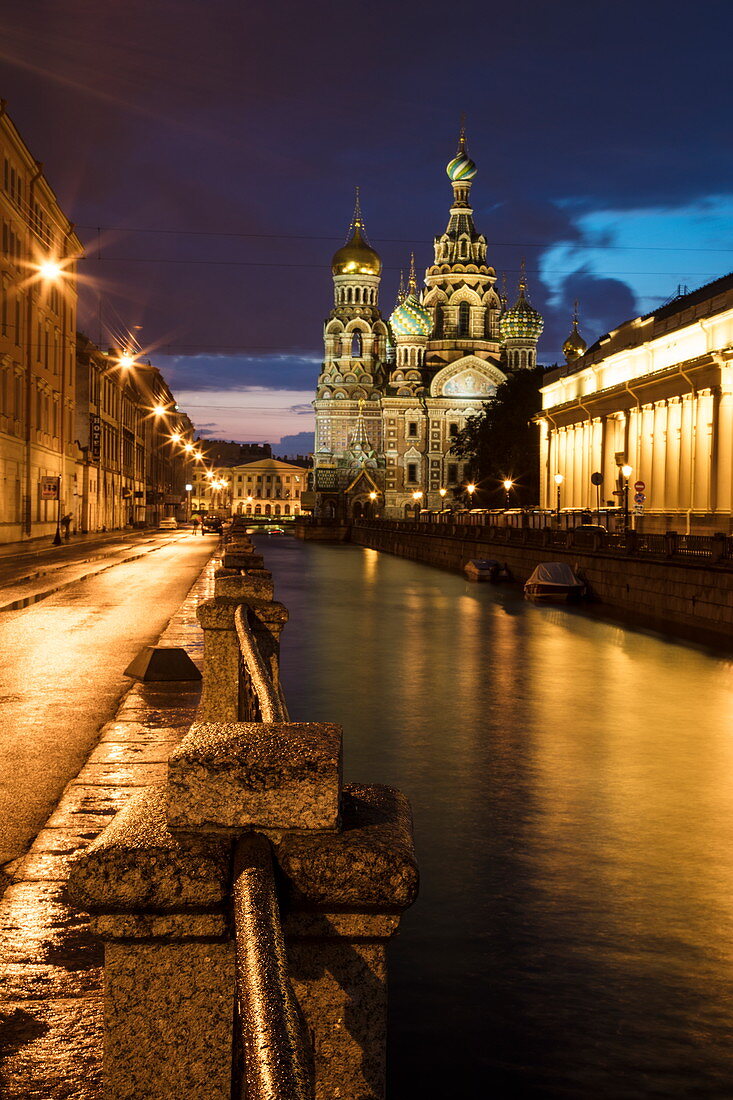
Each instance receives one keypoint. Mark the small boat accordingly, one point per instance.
(553, 580)
(486, 569)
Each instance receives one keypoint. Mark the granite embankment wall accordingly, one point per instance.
(692, 596)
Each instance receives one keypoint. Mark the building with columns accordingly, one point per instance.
(655, 394)
(393, 394)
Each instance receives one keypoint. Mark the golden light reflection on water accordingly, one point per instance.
(572, 783)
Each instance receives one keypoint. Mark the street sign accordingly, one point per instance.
(640, 486)
(596, 479)
(95, 436)
(640, 498)
(50, 488)
(638, 509)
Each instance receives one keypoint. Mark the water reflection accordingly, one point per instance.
(572, 783)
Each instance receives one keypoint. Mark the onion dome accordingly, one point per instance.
(575, 345)
(356, 257)
(410, 318)
(461, 169)
(522, 321)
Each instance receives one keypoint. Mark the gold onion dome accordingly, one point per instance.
(575, 345)
(522, 321)
(356, 257)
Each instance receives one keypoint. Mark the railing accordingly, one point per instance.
(717, 549)
(259, 699)
(277, 1057)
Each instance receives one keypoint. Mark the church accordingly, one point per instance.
(393, 393)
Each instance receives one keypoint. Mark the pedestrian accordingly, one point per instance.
(66, 524)
(195, 522)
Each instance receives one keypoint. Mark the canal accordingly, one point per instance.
(572, 786)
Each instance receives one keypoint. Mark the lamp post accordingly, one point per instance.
(626, 472)
(470, 489)
(507, 489)
(558, 482)
(373, 500)
(417, 497)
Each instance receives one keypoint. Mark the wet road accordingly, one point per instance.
(572, 785)
(61, 674)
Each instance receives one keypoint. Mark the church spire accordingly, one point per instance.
(412, 280)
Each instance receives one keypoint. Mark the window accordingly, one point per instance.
(452, 473)
(356, 346)
(464, 319)
(412, 471)
(452, 430)
(412, 428)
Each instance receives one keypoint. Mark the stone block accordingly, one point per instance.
(240, 775)
(168, 1020)
(254, 584)
(138, 864)
(369, 865)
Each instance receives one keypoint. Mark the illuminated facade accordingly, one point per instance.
(392, 395)
(266, 488)
(655, 394)
(37, 344)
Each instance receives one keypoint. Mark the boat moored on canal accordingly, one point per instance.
(554, 580)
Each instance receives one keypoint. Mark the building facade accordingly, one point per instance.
(267, 488)
(38, 297)
(655, 395)
(393, 394)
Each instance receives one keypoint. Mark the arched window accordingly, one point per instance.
(438, 327)
(277, 509)
(249, 509)
(258, 509)
(268, 510)
(464, 319)
(356, 345)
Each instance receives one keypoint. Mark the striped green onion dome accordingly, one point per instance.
(410, 318)
(461, 168)
(521, 322)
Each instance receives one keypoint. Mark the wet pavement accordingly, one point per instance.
(61, 673)
(50, 966)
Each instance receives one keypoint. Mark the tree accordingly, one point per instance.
(502, 442)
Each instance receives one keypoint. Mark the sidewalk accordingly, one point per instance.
(50, 967)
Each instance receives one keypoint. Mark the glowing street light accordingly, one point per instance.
(50, 270)
(126, 360)
(508, 483)
(188, 447)
(558, 481)
(159, 410)
(442, 492)
(176, 437)
(627, 472)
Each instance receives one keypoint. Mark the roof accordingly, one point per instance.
(269, 465)
(683, 310)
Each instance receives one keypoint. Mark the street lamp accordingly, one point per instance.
(417, 497)
(507, 489)
(626, 471)
(558, 481)
(189, 487)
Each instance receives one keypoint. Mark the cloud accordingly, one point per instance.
(623, 262)
(216, 372)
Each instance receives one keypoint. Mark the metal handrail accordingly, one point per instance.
(269, 698)
(278, 1058)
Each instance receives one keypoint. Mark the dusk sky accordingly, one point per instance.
(208, 152)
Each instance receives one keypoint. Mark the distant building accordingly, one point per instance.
(132, 466)
(656, 394)
(38, 296)
(263, 488)
(219, 452)
(392, 395)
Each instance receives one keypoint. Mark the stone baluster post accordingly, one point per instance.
(157, 884)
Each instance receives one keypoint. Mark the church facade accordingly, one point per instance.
(393, 393)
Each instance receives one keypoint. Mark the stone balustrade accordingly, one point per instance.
(158, 883)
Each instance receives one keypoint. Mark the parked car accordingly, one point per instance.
(168, 524)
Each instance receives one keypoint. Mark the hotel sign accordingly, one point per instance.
(95, 436)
